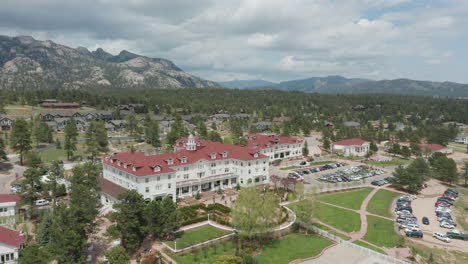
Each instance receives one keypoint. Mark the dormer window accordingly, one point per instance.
(125, 165)
(255, 155)
(133, 169)
(157, 168)
(183, 159)
(225, 154)
(213, 155)
(170, 161)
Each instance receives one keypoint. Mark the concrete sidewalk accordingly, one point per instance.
(341, 254)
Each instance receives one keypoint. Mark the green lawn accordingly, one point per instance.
(206, 255)
(196, 236)
(381, 232)
(458, 147)
(364, 244)
(394, 162)
(341, 219)
(350, 199)
(331, 231)
(461, 206)
(381, 203)
(58, 154)
(291, 247)
(291, 168)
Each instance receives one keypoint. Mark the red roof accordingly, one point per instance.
(11, 237)
(8, 198)
(350, 142)
(139, 164)
(432, 147)
(257, 141)
(110, 188)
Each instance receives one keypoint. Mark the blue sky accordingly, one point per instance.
(273, 40)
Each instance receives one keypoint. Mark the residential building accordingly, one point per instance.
(195, 166)
(6, 123)
(279, 120)
(99, 115)
(262, 125)
(436, 148)
(116, 125)
(275, 147)
(11, 242)
(8, 210)
(50, 116)
(351, 147)
(352, 124)
(462, 138)
(328, 124)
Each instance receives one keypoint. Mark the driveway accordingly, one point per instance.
(14, 172)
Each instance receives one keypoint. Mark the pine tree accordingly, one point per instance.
(305, 149)
(3, 155)
(71, 133)
(21, 138)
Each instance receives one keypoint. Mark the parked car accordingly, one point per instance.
(42, 202)
(425, 220)
(457, 235)
(441, 236)
(447, 225)
(416, 234)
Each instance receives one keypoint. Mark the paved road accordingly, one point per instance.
(44, 148)
(7, 179)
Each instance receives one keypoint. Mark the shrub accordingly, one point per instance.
(219, 207)
(194, 220)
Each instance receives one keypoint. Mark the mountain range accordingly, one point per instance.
(27, 63)
(342, 85)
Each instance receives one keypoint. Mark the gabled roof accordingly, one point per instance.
(432, 147)
(11, 237)
(139, 164)
(7, 198)
(350, 142)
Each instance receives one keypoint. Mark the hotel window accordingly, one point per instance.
(186, 176)
(146, 180)
(186, 168)
(169, 177)
(168, 185)
(226, 170)
(200, 174)
(158, 178)
(213, 171)
(226, 162)
(213, 164)
(157, 187)
(147, 189)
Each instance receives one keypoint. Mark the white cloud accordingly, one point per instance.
(270, 39)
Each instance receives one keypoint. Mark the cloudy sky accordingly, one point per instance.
(273, 40)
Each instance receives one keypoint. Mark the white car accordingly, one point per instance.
(42, 202)
(412, 229)
(441, 236)
(443, 210)
(447, 225)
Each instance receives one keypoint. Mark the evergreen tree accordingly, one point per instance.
(305, 149)
(326, 144)
(21, 138)
(117, 255)
(96, 139)
(44, 229)
(406, 152)
(33, 253)
(71, 133)
(373, 147)
(214, 136)
(3, 155)
(58, 145)
(162, 217)
(30, 186)
(152, 132)
(132, 124)
(129, 219)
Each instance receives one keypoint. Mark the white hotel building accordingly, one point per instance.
(276, 147)
(194, 166)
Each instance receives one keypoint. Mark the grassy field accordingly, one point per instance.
(291, 247)
(364, 244)
(27, 111)
(381, 202)
(458, 147)
(196, 236)
(59, 154)
(461, 207)
(439, 255)
(350, 199)
(394, 162)
(381, 232)
(291, 168)
(205, 256)
(342, 219)
(331, 231)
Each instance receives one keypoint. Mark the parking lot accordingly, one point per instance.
(423, 206)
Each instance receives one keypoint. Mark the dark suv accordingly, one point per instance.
(416, 234)
(425, 220)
